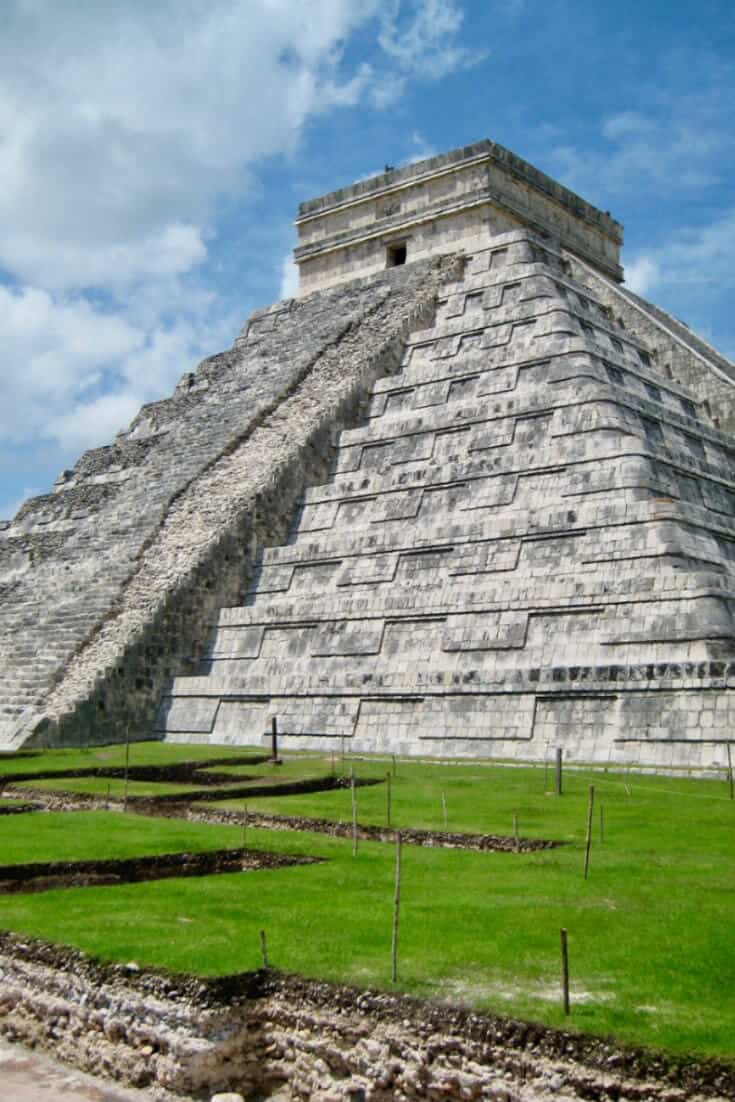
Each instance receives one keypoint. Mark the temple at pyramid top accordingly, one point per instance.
(456, 201)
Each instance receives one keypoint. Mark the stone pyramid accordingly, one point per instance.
(526, 545)
(466, 495)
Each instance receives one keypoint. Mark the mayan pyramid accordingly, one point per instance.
(465, 495)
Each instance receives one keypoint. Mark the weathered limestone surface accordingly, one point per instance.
(528, 544)
(111, 581)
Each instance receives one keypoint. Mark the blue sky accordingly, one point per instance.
(153, 155)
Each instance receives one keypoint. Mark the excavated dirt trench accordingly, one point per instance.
(46, 876)
(174, 806)
(146, 805)
(175, 773)
(443, 839)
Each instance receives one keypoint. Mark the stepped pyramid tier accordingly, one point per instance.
(465, 495)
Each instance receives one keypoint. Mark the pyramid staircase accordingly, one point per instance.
(529, 543)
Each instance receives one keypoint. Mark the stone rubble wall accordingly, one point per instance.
(110, 583)
(272, 1035)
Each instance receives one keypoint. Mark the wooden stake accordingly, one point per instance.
(394, 764)
(729, 769)
(396, 906)
(558, 770)
(263, 949)
(354, 814)
(127, 765)
(387, 798)
(565, 969)
(588, 837)
(602, 826)
(444, 809)
(515, 831)
(244, 824)
(274, 738)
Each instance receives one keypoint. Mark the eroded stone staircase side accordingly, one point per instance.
(529, 543)
(677, 354)
(111, 581)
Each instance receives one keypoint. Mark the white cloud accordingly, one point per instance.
(123, 126)
(694, 257)
(121, 123)
(53, 351)
(679, 141)
(653, 154)
(173, 249)
(420, 149)
(90, 423)
(642, 274)
(289, 278)
(76, 374)
(420, 37)
(702, 255)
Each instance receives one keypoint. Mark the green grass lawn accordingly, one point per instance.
(483, 798)
(297, 768)
(100, 786)
(650, 931)
(90, 835)
(106, 757)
